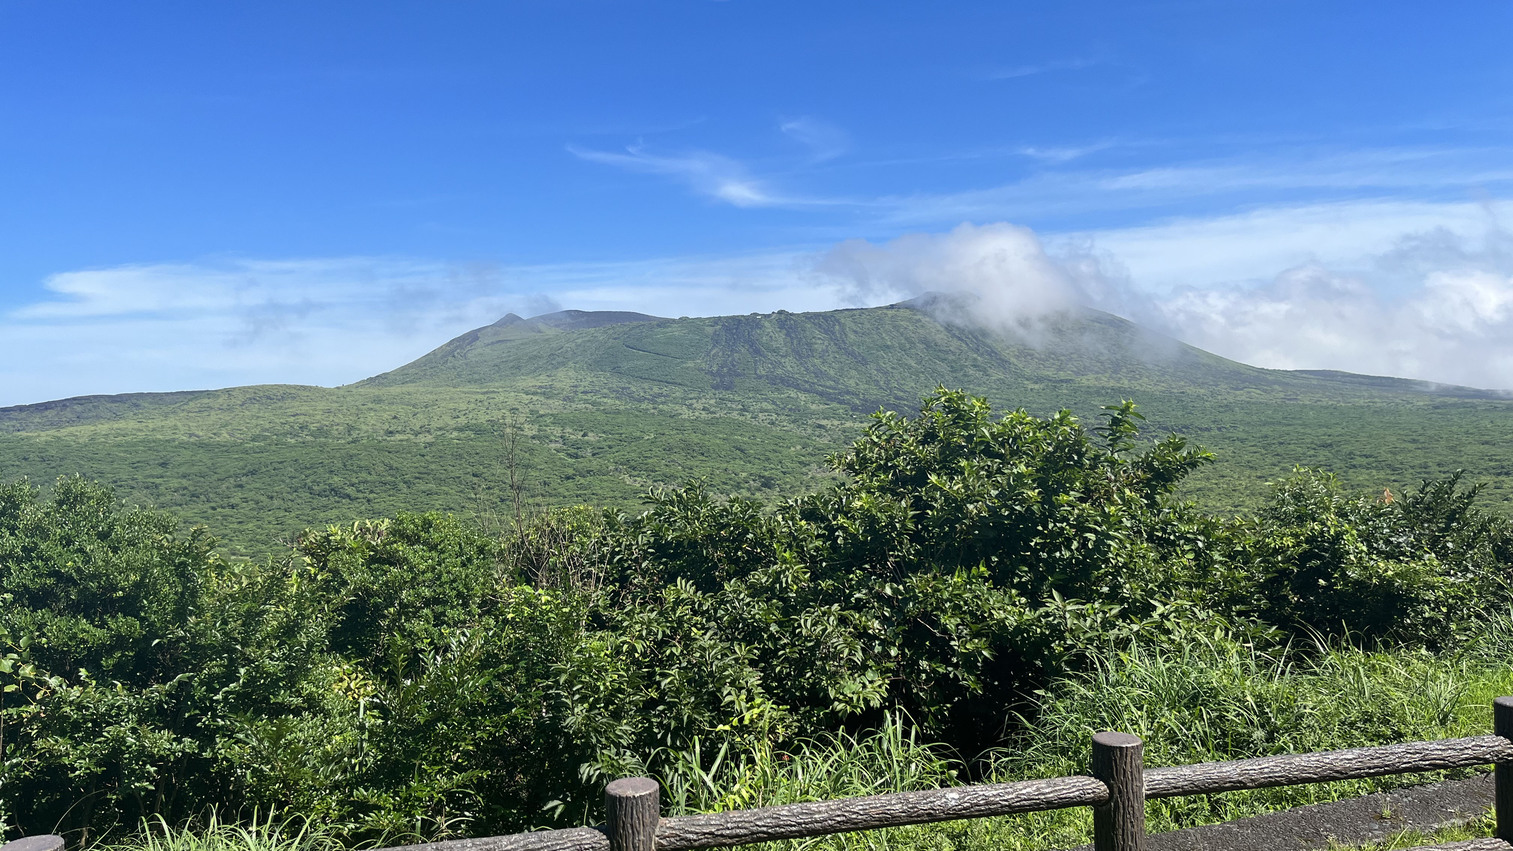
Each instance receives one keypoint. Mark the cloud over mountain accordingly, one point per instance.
(1450, 319)
(1434, 306)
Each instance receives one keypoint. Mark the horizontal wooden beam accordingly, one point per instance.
(1350, 764)
(568, 839)
(793, 821)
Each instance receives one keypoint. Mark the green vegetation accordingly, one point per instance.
(259, 833)
(1211, 700)
(609, 405)
(998, 586)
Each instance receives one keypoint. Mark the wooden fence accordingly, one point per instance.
(1117, 790)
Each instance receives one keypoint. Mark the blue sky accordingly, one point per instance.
(197, 195)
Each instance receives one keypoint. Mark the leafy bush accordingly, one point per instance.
(1422, 569)
(425, 708)
(964, 560)
(375, 681)
(113, 684)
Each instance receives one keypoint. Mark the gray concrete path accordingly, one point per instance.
(1368, 819)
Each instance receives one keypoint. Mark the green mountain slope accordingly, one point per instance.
(857, 358)
(604, 405)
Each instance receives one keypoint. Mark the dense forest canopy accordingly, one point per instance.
(421, 675)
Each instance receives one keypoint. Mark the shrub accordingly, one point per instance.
(112, 681)
(1421, 570)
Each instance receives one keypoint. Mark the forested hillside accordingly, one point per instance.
(593, 408)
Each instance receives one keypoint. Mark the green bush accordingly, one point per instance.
(1423, 569)
(376, 681)
(964, 560)
(426, 706)
(114, 683)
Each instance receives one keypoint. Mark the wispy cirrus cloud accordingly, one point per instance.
(1380, 168)
(1211, 187)
(730, 180)
(824, 140)
(716, 176)
(1061, 154)
(1014, 72)
(1071, 180)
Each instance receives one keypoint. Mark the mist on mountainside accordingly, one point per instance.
(1432, 307)
(999, 277)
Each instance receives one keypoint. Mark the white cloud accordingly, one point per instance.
(1456, 328)
(213, 324)
(709, 174)
(1409, 289)
(1252, 246)
(824, 140)
(1003, 266)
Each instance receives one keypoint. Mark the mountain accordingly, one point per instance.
(859, 358)
(598, 406)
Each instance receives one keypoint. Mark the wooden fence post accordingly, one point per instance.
(1119, 761)
(1502, 772)
(634, 807)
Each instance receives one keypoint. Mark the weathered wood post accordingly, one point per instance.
(45, 842)
(1502, 772)
(1119, 761)
(634, 807)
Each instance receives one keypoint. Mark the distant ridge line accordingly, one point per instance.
(574, 319)
(1411, 385)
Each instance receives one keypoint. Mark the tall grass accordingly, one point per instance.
(1209, 700)
(1219, 700)
(837, 765)
(263, 832)
(889, 759)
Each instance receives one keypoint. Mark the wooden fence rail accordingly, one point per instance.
(1117, 790)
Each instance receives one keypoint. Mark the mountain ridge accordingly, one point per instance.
(1085, 327)
(604, 405)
